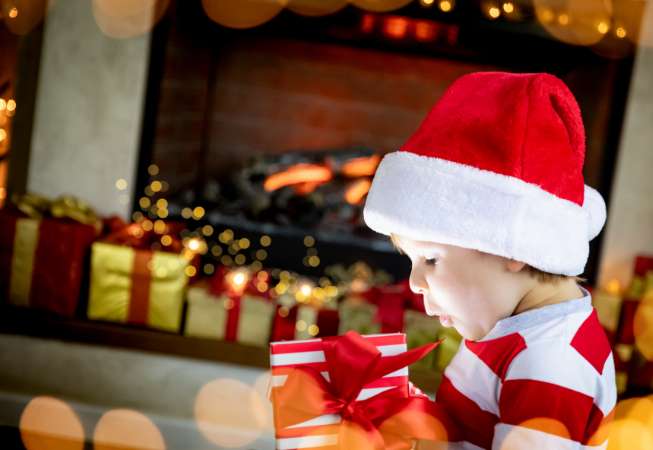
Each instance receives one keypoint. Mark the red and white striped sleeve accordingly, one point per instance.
(558, 394)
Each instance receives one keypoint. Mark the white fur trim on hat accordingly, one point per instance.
(432, 199)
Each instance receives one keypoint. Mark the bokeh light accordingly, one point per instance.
(229, 413)
(262, 387)
(242, 13)
(24, 15)
(48, 423)
(643, 327)
(514, 440)
(577, 20)
(126, 429)
(433, 433)
(128, 18)
(314, 8)
(632, 427)
(380, 5)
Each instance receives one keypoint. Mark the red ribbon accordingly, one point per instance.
(218, 285)
(119, 233)
(389, 420)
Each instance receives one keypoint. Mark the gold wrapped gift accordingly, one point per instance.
(247, 319)
(134, 286)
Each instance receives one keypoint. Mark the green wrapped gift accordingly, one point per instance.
(421, 329)
(356, 314)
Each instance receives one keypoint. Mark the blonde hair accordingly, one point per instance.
(539, 275)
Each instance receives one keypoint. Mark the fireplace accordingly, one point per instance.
(276, 131)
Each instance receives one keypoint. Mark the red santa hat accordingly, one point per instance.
(497, 166)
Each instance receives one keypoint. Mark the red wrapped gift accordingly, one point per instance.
(388, 303)
(643, 264)
(43, 260)
(349, 392)
(285, 328)
(312, 316)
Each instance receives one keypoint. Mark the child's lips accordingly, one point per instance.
(445, 319)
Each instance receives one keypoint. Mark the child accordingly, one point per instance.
(488, 201)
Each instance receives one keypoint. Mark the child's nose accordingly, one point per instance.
(416, 281)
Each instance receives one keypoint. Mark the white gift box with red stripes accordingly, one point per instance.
(322, 431)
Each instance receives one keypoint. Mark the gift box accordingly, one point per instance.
(608, 308)
(357, 314)
(633, 347)
(132, 284)
(313, 314)
(240, 318)
(350, 391)
(421, 329)
(378, 309)
(43, 258)
(451, 340)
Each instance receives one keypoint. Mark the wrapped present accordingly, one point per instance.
(641, 283)
(608, 308)
(317, 318)
(622, 362)
(245, 318)
(351, 391)
(447, 350)
(643, 265)
(633, 346)
(378, 309)
(44, 247)
(305, 311)
(357, 314)
(295, 320)
(422, 329)
(284, 324)
(131, 283)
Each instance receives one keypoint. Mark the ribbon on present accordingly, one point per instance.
(141, 241)
(220, 286)
(66, 206)
(379, 422)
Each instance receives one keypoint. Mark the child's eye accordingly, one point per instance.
(431, 261)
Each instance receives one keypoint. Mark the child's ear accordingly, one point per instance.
(514, 266)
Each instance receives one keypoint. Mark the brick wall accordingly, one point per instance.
(182, 104)
(277, 95)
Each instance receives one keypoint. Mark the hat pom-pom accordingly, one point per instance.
(594, 207)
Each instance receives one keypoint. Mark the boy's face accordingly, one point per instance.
(468, 289)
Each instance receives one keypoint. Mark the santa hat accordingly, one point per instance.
(495, 166)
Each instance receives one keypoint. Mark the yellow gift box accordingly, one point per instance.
(246, 319)
(140, 287)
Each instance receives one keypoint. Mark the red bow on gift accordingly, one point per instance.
(389, 420)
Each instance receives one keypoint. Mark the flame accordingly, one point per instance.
(307, 188)
(357, 191)
(298, 174)
(361, 167)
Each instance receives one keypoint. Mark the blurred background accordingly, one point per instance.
(182, 184)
